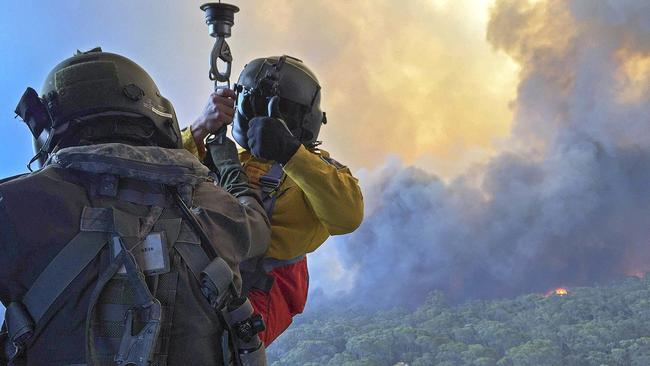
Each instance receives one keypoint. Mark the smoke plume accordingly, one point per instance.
(566, 202)
(415, 79)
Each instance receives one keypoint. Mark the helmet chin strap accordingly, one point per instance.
(41, 155)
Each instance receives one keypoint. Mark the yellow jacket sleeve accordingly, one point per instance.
(189, 144)
(330, 188)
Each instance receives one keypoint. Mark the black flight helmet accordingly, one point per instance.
(98, 86)
(296, 86)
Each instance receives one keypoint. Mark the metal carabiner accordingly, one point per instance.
(220, 51)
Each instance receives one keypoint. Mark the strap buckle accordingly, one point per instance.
(216, 282)
(272, 180)
(243, 327)
(138, 349)
(269, 184)
(249, 328)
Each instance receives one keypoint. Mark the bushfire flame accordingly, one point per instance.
(560, 291)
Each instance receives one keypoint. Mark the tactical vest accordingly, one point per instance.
(162, 295)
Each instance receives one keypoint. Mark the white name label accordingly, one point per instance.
(151, 255)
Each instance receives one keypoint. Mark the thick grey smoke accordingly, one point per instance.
(566, 203)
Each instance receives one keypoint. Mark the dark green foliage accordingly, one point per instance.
(590, 326)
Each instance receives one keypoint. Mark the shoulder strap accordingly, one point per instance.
(253, 273)
(206, 243)
(270, 182)
(61, 271)
(22, 318)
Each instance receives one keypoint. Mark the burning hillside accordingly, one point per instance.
(565, 202)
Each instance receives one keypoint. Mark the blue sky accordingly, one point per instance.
(35, 36)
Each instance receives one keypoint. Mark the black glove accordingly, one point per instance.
(270, 139)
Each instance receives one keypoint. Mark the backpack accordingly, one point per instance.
(133, 305)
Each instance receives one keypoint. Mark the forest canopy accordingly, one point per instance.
(607, 325)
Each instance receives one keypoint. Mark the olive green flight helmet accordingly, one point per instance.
(92, 85)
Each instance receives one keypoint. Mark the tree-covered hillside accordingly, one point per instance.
(589, 326)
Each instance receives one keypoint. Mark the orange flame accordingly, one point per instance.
(560, 291)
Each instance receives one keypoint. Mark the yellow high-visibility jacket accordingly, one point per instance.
(317, 198)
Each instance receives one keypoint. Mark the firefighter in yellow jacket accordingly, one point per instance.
(307, 194)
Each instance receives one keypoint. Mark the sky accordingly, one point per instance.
(418, 80)
(502, 146)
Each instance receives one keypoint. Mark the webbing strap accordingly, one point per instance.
(270, 264)
(206, 243)
(61, 271)
(194, 256)
(103, 279)
(253, 273)
(270, 182)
